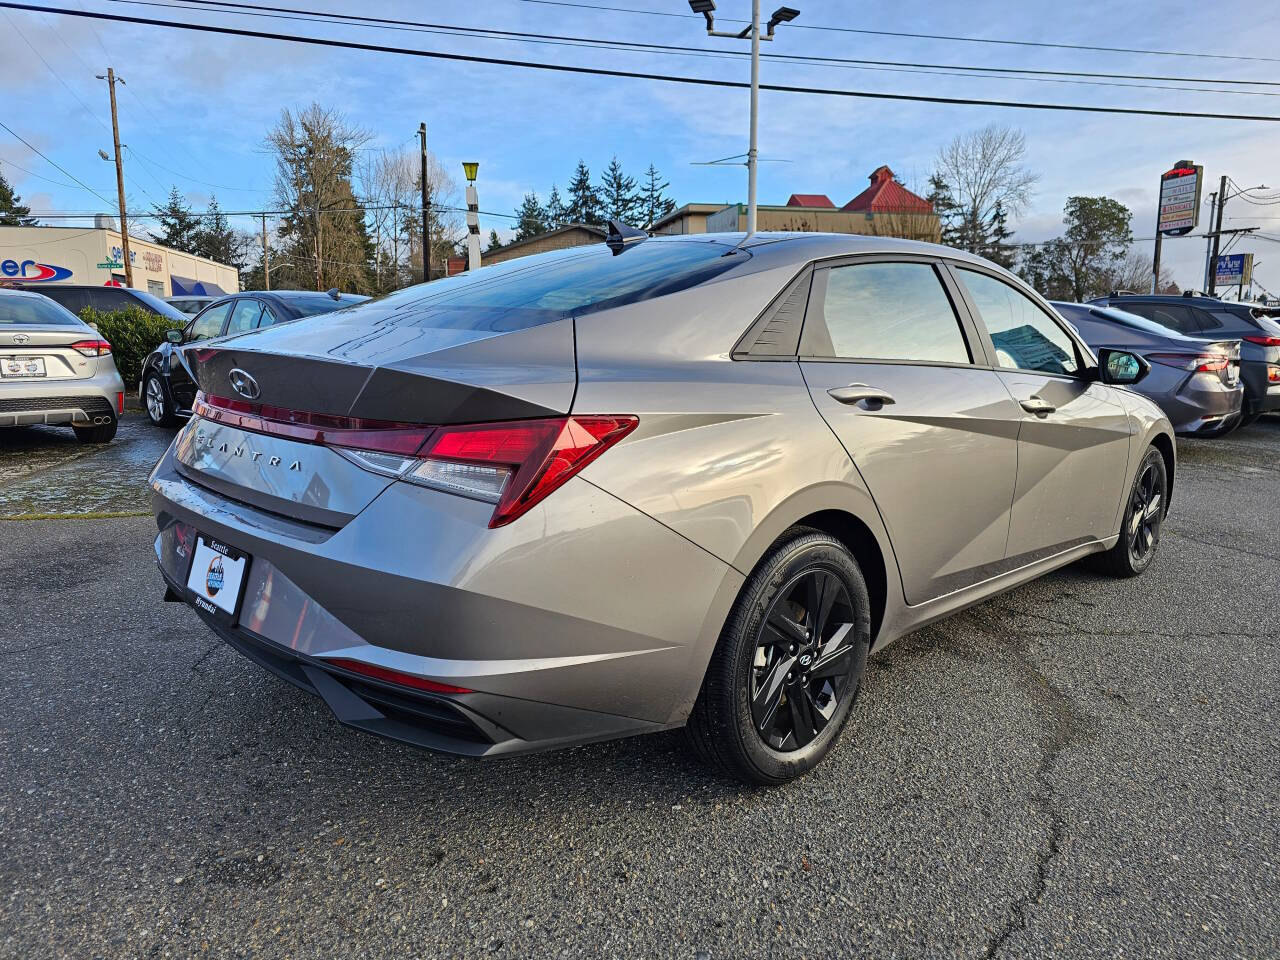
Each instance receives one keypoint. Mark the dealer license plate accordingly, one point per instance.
(216, 580)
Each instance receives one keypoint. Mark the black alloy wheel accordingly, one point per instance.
(785, 673)
(1146, 513)
(803, 658)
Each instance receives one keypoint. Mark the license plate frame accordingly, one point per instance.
(23, 368)
(216, 578)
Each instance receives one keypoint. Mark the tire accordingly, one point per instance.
(755, 658)
(1139, 539)
(102, 433)
(155, 399)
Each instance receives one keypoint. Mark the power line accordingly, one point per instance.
(206, 183)
(593, 43)
(225, 6)
(637, 75)
(408, 208)
(922, 36)
(52, 163)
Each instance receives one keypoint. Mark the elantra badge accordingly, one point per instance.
(244, 384)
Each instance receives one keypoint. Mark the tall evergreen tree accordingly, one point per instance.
(13, 212)
(179, 230)
(654, 203)
(946, 209)
(531, 219)
(619, 199)
(494, 242)
(997, 247)
(217, 240)
(584, 202)
(555, 210)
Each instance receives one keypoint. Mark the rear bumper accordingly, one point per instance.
(60, 402)
(583, 620)
(1199, 404)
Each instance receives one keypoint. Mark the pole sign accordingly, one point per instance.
(1180, 199)
(1234, 270)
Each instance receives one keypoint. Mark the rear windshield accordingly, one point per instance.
(1131, 320)
(309, 304)
(156, 305)
(544, 287)
(35, 310)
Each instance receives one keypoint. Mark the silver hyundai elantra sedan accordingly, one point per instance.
(653, 483)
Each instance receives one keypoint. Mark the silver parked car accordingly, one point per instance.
(649, 483)
(55, 369)
(1196, 382)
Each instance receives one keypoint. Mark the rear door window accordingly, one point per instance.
(888, 311)
(244, 316)
(1025, 337)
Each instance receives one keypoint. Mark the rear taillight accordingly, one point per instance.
(1264, 341)
(1199, 363)
(1273, 373)
(515, 464)
(398, 677)
(92, 348)
(384, 436)
(120, 403)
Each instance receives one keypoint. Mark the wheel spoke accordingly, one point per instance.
(765, 703)
(833, 658)
(788, 628)
(1153, 508)
(803, 726)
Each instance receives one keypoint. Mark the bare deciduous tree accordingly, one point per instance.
(984, 171)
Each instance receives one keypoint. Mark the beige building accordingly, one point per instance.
(884, 209)
(94, 255)
(691, 218)
(570, 235)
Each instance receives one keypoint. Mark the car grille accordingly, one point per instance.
(92, 406)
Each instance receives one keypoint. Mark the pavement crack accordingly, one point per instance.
(1230, 548)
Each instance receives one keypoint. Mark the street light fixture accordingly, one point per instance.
(470, 169)
(781, 15)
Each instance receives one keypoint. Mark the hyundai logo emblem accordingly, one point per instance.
(806, 659)
(244, 384)
(20, 338)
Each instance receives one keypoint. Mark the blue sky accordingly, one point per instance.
(197, 105)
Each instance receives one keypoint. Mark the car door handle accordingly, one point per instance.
(861, 393)
(1038, 405)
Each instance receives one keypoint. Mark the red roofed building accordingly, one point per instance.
(887, 195)
(811, 200)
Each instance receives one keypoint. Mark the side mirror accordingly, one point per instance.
(173, 336)
(1120, 367)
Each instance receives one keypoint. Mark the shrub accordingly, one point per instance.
(133, 333)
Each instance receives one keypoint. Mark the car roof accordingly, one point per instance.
(804, 246)
(20, 292)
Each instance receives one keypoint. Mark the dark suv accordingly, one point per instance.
(1199, 316)
(76, 296)
(167, 388)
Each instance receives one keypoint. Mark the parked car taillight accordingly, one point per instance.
(1198, 362)
(513, 465)
(1273, 373)
(92, 348)
(1265, 341)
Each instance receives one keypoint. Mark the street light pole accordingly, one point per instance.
(781, 15)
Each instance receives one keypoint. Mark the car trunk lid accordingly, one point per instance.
(29, 352)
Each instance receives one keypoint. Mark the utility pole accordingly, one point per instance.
(781, 15)
(1217, 235)
(112, 80)
(266, 257)
(1208, 243)
(426, 208)
(469, 170)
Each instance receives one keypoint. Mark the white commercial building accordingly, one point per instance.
(31, 255)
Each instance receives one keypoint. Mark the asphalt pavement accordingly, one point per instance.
(1082, 767)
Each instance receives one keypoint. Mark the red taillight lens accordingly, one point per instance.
(398, 677)
(1273, 373)
(361, 433)
(120, 404)
(1264, 341)
(92, 348)
(1199, 363)
(518, 463)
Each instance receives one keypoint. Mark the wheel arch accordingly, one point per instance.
(1164, 443)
